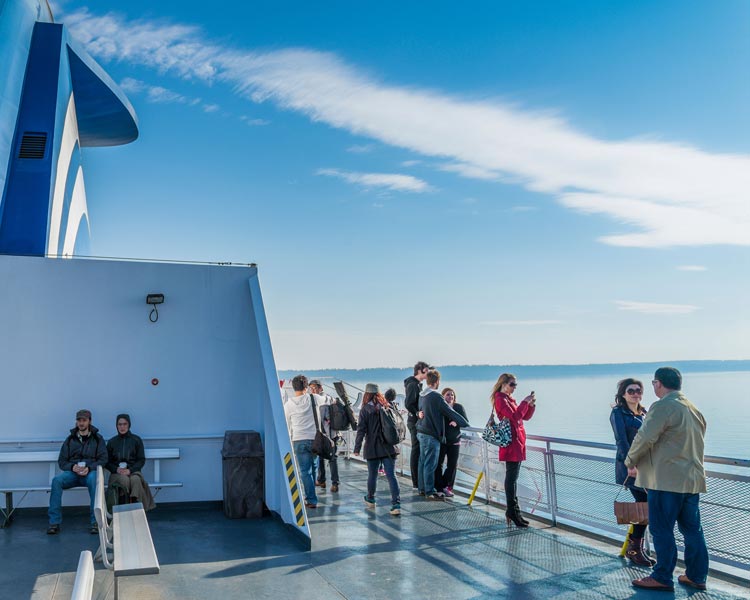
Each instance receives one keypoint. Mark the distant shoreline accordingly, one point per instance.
(481, 372)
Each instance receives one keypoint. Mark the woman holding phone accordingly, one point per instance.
(515, 452)
(626, 419)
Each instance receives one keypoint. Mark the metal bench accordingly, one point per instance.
(84, 583)
(156, 455)
(124, 534)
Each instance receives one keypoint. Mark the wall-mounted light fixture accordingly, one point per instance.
(153, 300)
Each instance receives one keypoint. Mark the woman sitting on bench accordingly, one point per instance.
(126, 459)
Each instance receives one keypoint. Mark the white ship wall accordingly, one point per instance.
(76, 334)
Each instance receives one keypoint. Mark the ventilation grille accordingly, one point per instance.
(33, 145)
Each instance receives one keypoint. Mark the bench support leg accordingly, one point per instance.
(116, 587)
(8, 512)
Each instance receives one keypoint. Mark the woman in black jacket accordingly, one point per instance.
(626, 419)
(126, 459)
(376, 449)
(450, 449)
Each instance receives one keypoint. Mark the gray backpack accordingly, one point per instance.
(392, 424)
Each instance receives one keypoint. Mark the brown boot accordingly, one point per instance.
(635, 553)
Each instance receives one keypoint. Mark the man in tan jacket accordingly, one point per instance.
(666, 458)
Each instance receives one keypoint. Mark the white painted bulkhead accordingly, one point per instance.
(76, 334)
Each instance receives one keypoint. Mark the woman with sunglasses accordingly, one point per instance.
(626, 419)
(513, 454)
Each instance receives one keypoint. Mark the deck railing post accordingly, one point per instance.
(486, 467)
(549, 471)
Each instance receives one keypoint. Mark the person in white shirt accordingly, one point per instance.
(301, 423)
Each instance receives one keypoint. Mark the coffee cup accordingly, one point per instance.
(82, 464)
(123, 465)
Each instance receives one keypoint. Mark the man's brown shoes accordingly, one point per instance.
(649, 583)
(683, 579)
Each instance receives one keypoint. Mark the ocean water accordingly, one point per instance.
(579, 407)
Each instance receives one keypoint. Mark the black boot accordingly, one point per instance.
(512, 515)
(517, 510)
(636, 553)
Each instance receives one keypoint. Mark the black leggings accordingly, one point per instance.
(512, 470)
(640, 495)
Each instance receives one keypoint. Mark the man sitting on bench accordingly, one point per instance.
(81, 453)
(126, 459)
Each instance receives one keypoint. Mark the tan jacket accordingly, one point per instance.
(668, 448)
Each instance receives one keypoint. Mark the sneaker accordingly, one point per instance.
(435, 496)
(93, 529)
(335, 487)
(421, 493)
(448, 492)
(381, 471)
(370, 502)
(53, 529)
(395, 509)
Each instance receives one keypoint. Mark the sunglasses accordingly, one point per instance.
(633, 391)
(513, 384)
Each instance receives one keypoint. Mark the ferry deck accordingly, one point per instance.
(433, 550)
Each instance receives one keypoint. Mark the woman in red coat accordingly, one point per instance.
(515, 452)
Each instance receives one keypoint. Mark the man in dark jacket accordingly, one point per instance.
(126, 459)
(435, 412)
(412, 387)
(82, 452)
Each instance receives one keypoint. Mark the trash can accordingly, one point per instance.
(242, 470)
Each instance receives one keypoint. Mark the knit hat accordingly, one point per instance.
(83, 414)
(372, 388)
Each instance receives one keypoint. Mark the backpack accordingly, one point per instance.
(392, 424)
(342, 417)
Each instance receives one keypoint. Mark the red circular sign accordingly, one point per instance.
(154, 381)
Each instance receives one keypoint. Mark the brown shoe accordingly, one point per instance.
(320, 484)
(684, 580)
(310, 505)
(649, 583)
(335, 487)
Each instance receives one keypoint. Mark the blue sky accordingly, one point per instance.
(498, 182)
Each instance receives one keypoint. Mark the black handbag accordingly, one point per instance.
(322, 445)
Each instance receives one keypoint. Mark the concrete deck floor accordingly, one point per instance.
(434, 550)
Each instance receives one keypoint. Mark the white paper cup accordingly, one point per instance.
(123, 465)
(82, 464)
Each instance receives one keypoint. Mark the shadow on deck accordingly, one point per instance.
(434, 550)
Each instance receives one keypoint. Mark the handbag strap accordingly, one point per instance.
(315, 412)
(624, 486)
(492, 412)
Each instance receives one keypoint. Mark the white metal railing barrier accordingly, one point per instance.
(572, 482)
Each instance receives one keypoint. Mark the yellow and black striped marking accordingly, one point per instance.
(299, 514)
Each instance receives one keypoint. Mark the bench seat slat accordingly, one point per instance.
(52, 456)
(30, 488)
(133, 547)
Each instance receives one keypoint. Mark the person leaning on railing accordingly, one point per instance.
(515, 452)
(626, 419)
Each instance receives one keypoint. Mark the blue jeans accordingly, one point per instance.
(429, 451)
(306, 462)
(64, 481)
(389, 465)
(664, 510)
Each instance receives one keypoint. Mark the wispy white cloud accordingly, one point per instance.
(661, 193)
(390, 181)
(410, 163)
(361, 148)
(521, 323)
(654, 308)
(254, 122)
(470, 171)
(154, 93)
(692, 268)
(210, 108)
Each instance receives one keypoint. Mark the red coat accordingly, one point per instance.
(505, 406)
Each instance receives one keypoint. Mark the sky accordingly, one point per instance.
(547, 182)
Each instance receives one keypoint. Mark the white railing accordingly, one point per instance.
(572, 483)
